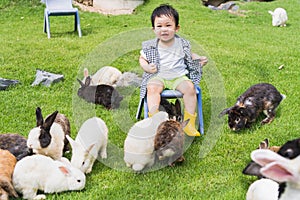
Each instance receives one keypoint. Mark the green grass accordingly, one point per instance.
(242, 51)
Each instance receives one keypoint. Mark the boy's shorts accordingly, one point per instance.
(171, 84)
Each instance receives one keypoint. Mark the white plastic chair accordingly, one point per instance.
(60, 8)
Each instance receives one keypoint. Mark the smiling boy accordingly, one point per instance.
(167, 62)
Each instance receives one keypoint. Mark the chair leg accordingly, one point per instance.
(200, 112)
(140, 108)
(77, 24)
(145, 108)
(47, 21)
(45, 31)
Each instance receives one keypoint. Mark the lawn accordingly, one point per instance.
(242, 51)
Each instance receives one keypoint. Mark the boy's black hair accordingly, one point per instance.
(165, 9)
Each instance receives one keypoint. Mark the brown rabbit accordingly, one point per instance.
(262, 97)
(7, 165)
(169, 141)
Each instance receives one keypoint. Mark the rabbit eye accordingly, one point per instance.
(83, 163)
(78, 181)
(237, 120)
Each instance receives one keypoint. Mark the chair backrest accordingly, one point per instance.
(59, 4)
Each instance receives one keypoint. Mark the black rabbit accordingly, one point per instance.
(174, 110)
(16, 144)
(262, 97)
(105, 95)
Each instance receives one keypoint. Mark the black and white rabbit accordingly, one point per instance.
(15, 144)
(262, 97)
(105, 95)
(290, 150)
(49, 136)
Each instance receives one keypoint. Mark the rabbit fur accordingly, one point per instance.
(280, 169)
(49, 137)
(262, 97)
(290, 149)
(279, 17)
(169, 141)
(15, 144)
(263, 189)
(103, 94)
(253, 169)
(39, 172)
(139, 143)
(7, 165)
(90, 141)
(174, 110)
(106, 75)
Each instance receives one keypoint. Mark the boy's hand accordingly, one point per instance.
(150, 68)
(202, 59)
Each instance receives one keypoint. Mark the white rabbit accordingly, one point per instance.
(90, 140)
(48, 138)
(279, 17)
(106, 75)
(39, 172)
(139, 143)
(263, 189)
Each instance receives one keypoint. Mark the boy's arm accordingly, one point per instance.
(202, 59)
(147, 67)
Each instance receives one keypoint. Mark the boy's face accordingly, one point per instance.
(165, 28)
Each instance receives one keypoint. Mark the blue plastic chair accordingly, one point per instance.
(60, 8)
(172, 94)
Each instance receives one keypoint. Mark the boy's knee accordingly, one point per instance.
(154, 88)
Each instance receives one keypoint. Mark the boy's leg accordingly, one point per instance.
(154, 88)
(187, 88)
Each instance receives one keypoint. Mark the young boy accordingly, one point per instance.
(167, 62)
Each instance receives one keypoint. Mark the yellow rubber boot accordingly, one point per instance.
(151, 114)
(190, 129)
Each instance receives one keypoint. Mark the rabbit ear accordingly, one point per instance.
(49, 121)
(183, 124)
(39, 117)
(87, 81)
(265, 156)
(72, 142)
(81, 83)
(252, 169)
(7, 187)
(225, 111)
(177, 106)
(85, 72)
(280, 171)
(90, 147)
(64, 170)
(264, 144)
